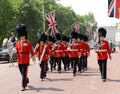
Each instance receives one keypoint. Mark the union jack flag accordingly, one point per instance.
(114, 8)
(89, 30)
(76, 26)
(50, 17)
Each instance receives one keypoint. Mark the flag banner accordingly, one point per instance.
(76, 26)
(89, 30)
(114, 8)
(52, 23)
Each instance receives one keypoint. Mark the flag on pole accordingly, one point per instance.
(114, 8)
(52, 23)
(76, 26)
(89, 30)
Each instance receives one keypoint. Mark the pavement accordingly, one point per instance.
(88, 82)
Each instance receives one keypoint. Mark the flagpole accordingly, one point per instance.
(43, 13)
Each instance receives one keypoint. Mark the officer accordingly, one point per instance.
(103, 51)
(24, 49)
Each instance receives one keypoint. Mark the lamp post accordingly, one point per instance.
(43, 13)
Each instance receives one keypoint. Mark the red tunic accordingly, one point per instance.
(58, 51)
(81, 48)
(66, 52)
(23, 49)
(73, 53)
(39, 51)
(104, 51)
(86, 49)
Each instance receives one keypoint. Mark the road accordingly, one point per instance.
(88, 82)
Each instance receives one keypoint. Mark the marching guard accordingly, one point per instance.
(51, 41)
(73, 51)
(58, 51)
(43, 54)
(24, 49)
(86, 52)
(80, 53)
(65, 58)
(103, 51)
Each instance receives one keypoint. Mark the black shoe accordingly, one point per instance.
(74, 75)
(59, 71)
(23, 89)
(104, 80)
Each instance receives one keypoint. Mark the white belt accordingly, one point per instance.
(102, 50)
(58, 50)
(74, 50)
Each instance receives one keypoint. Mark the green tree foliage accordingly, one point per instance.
(6, 18)
(30, 12)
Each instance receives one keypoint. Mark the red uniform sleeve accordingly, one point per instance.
(31, 49)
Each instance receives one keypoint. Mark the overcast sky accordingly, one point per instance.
(97, 7)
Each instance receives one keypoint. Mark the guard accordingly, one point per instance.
(24, 49)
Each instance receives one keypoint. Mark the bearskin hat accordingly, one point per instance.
(42, 37)
(102, 32)
(85, 38)
(51, 39)
(74, 34)
(21, 30)
(80, 36)
(58, 36)
(65, 38)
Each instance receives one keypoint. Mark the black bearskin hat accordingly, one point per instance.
(85, 38)
(80, 36)
(42, 37)
(51, 39)
(58, 36)
(74, 34)
(21, 30)
(102, 32)
(65, 38)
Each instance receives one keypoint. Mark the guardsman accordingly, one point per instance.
(24, 49)
(65, 58)
(80, 53)
(51, 41)
(43, 54)
(73, 51)
(86, 51)
(103, 52)
(58, 51)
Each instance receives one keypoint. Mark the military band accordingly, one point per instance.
(60, 51)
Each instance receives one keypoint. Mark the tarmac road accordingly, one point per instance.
(88, 82)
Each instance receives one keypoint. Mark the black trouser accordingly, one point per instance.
(52, 62)
(82, 62)
(23, 68)
(103, 68)
(43, 69)
(75, 62)
(79, 64)
(58, 60)
(66, 62)
(85, 62)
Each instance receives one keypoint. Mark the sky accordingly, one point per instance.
(98, 7)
